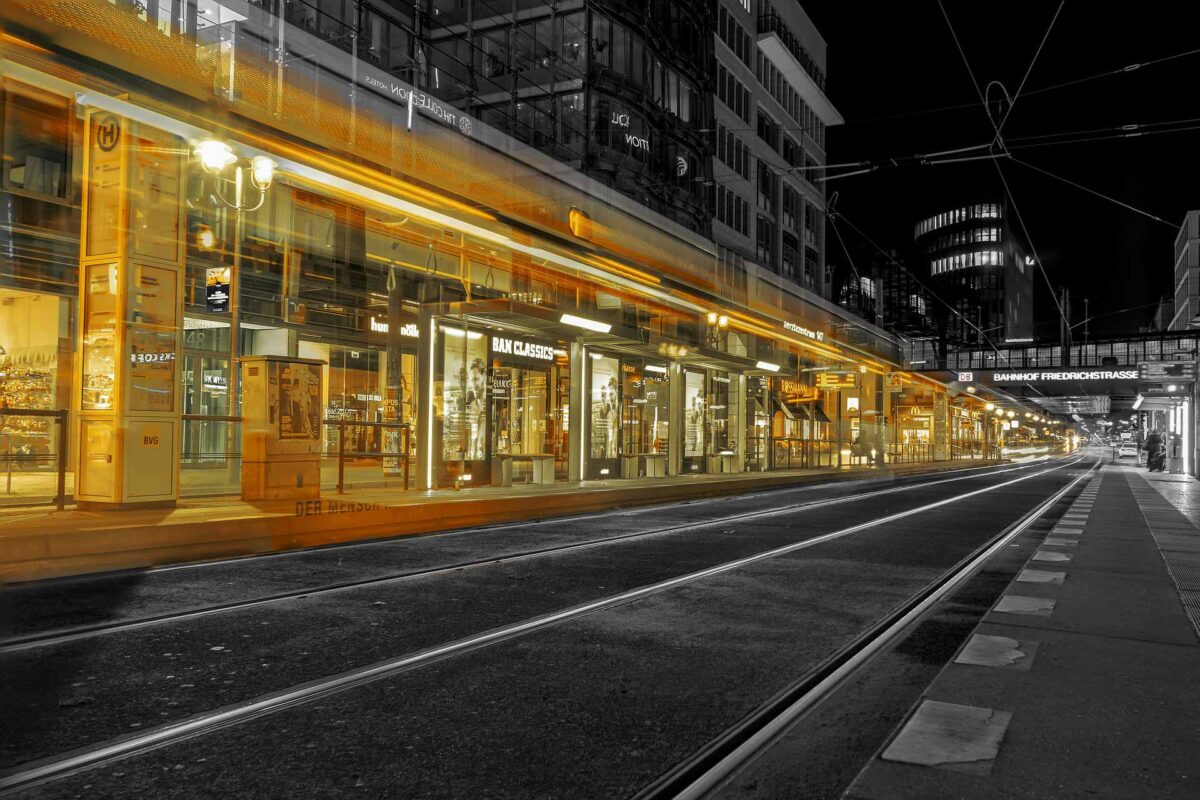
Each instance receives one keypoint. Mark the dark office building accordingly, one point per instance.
(621, 91)
(975, 263)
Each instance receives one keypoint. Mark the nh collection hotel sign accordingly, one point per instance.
(421, 102)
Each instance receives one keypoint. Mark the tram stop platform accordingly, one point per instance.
(1082, 679)
(38, 543)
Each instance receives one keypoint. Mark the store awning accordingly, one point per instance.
(790, 409)
(819, 415)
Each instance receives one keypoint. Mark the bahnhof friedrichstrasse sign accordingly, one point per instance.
(1060, 375)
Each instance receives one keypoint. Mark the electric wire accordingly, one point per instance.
(1081, 187)
(1013, 103)
(1040, 90)
(920, 283)
(1000, 139)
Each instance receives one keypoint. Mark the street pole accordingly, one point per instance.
(234, 383)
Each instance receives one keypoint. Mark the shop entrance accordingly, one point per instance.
(205, 393)
(503, 400)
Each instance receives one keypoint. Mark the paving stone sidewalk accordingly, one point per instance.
(1082, 679)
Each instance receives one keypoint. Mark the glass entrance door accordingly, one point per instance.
(205, 393)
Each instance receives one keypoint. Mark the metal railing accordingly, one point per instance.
(60, 419)
(909, 453)
(794, 453)
(342, 453)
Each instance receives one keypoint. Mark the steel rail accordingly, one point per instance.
(62, 765)
(724, 756)
(58, 636)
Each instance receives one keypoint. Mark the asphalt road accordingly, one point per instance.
(597, 705)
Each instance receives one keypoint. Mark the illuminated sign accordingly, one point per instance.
(408, 329)
(836, 380)
(518, 347)
(966, 377)
(422, 102)
(818, 336)
(151, 358)
(620, 118)
(1167, 371)
(1066, 375)
(797, 392)
(216, 289)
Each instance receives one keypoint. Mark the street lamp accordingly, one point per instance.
(215, 158)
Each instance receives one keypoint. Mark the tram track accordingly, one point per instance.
(54, 637)
(64, 764)
(721, 759)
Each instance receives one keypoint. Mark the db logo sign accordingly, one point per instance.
(966, 377)
(108, 132)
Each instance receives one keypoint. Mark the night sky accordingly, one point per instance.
(899, 60)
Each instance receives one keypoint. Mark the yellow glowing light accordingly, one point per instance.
(262, 171)
(214, 155)
(579, 223)
(205, 238)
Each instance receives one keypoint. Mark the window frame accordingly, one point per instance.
(69, 111)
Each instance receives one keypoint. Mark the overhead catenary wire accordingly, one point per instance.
(1081, 187)
(1000, 140)
(920, 283)
(1024, 80)
(1030, 93)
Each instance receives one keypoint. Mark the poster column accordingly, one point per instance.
(941, 426)
(131, 302)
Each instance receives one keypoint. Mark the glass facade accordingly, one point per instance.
(465, 331)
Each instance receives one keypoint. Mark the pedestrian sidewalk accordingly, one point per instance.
(1082, 679)
(37, 543)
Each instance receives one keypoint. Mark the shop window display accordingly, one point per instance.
(645, 408)
(464, 404)
(35, 362)
(694, 417)
(720, 408)
(604, 404)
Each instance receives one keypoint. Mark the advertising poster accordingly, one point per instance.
(156, 187)
(99, 337)
(605, 410)
(693, 414)
(464, 396)
(216, 288)
(299, 401)
(152, 340)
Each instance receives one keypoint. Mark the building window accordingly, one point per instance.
(767, 192)
(764, 241)
(768, 130)
(37, 141)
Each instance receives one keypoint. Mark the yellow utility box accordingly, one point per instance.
(281, 428)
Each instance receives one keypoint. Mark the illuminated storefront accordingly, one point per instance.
(503, 325)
